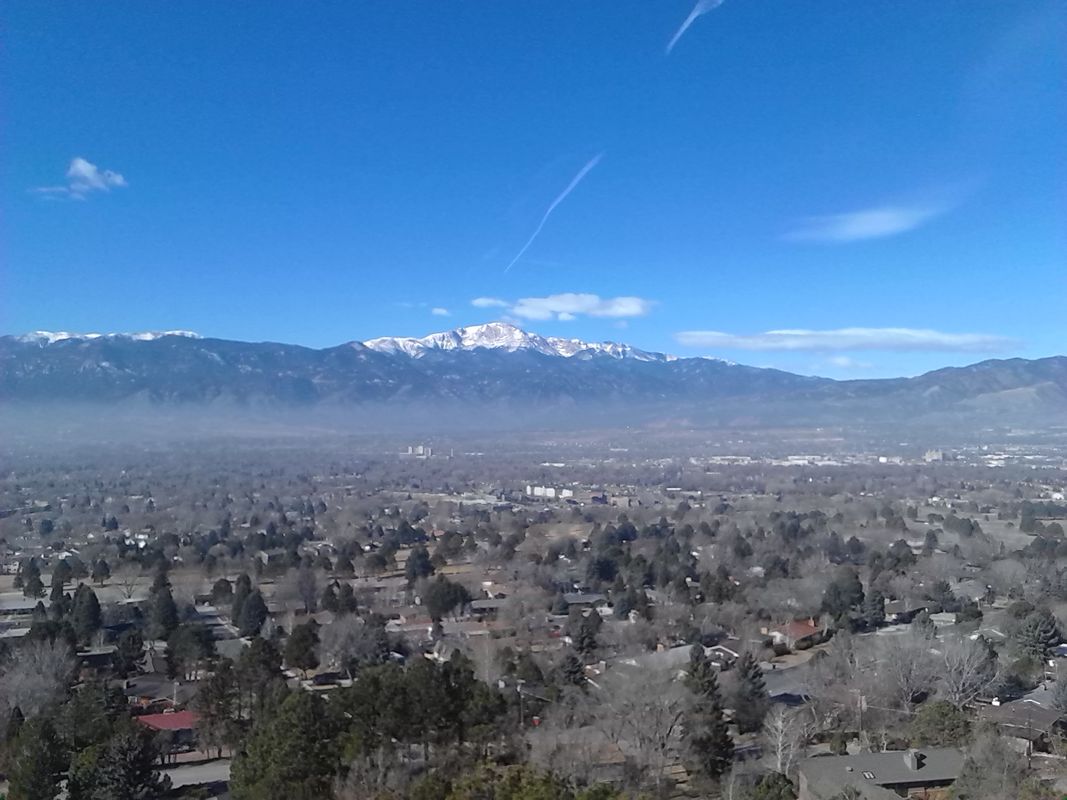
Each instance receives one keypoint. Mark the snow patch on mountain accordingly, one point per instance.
(51, 337)
(490, 336)
(503, 336)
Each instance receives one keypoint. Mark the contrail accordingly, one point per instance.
(562, 196)
(700, 9)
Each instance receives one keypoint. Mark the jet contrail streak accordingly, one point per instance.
(700, 9)
(562, 196)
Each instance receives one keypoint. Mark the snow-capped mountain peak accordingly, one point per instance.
(491, 336)
(51, 337)
(508, 337)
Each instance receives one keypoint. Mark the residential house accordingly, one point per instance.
(584, 599)
(943, 619)
(916, 774)
(176, 730)
(1025, 720)
(899, 612)
(798, 633)
(725, 653)
(487, 608)
(95, 662)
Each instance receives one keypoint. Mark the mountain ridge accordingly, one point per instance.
(501, 366)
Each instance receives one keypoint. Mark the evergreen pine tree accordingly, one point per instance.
(160, 581)
(62, 573)
(37, 763)
(258, 670)
(85, 616)
(418, 564)
(346, 600)
(873, 609)
(585, 641)
(82, 774)
(752, 700)
(301, 649)
(101, 572)
(571, 670)
(1038, 634)
(253, 615)
(241, 590)
(218, 704)
(221, 592)
(126, 768)
(55, 599)
(706, 733)
(129, 651)
(291, 755)
(329, 599)
(163, 613)
(32, 585)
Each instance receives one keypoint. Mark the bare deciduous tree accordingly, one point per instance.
(908, 666)
(642, 714)
(126, 578)
(966, 671)
(347, 642)
(786, 735)
(831, 682)
(33, 675)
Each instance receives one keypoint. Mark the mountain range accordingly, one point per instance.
(501, 367)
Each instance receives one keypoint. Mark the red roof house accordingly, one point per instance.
(170, 721)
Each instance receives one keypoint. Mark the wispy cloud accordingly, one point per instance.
(552, 207)
(847, 362)
(569, 306)
(868, 223)
(83, 178)
(701, 8)
(898, 339)
(438, 311)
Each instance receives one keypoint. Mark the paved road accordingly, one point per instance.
(193, 774)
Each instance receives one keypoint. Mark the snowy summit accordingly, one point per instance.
(504, 336)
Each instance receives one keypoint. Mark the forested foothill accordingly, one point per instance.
(579, 617)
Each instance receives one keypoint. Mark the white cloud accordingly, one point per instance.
(569, 306)
(847, 362)
(437, 311)
(83, 178)
(899, 339)
(869, 223)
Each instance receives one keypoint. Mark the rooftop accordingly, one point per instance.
(174, 721)
(870, 772)
(1022, 718)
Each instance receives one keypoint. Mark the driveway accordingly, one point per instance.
(195, 774)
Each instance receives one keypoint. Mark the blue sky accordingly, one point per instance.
(838, 188)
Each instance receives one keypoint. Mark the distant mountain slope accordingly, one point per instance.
(496, 364)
